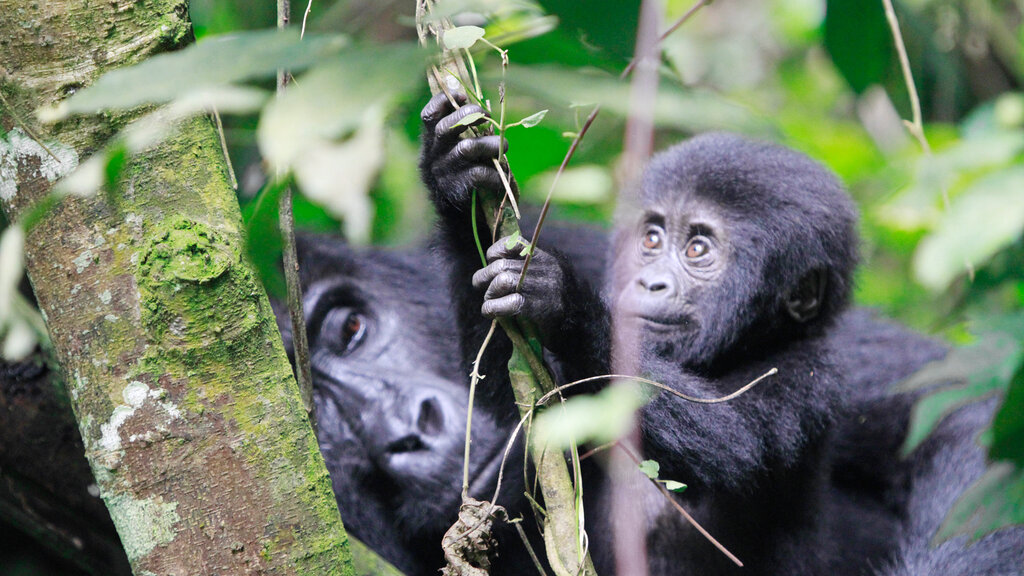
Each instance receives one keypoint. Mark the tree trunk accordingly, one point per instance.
(190, 416)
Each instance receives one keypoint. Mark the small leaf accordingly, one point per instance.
(512, 240)
(462, 37)
(469, 119)
(533, 119)
(650, 468)
(19, 342)
(675, 486)
(527, 249)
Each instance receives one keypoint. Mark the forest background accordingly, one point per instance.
(941, 220)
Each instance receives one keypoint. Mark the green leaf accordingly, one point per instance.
(470, 119)
(983, 219)
(512, 240)
(216, 61)
(687, 109)
(263, 242)
(334, 99)
(650, 468)
(462, 37)
(527, 249)
(976, 372)
(1008, 424)
(599, 418)
(994, 501)
(533, 119)
(674, 486)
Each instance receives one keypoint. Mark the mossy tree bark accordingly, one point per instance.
(188, 410)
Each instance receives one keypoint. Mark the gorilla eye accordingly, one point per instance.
(652, 239)
(343, 330)
(352, 331)
(697, 247)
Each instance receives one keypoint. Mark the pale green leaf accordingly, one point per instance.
(533, 119)
(512, 240)
(984, 218)
(216, 61)
(674, 486)
(462, 37)
(333, 100)
(650, 468)
(19, 342)
(598, 418)
(12, 265)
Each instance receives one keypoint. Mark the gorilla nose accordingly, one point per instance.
(411, 431)
(658, 284)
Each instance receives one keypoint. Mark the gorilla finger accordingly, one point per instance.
(483, 277)
(504, 284)
(439, 107)
(448, 128)
(501, 249)
(483, 149)
(507, 306)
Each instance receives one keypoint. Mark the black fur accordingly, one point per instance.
(772, 247)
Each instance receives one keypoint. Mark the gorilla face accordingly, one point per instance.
(390, 398)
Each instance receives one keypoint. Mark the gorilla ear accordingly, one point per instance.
(805, 301)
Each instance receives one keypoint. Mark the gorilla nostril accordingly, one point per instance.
(409, 443)
(431, 418)
(654, 285)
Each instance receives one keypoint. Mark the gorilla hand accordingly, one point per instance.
(452, 166)
(539, 299)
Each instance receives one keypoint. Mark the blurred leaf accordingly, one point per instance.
(996, 500)
(650, 468)
(1008, 424)
(984, 218)
(920, 204)
(462, 37)
(333, 100)
(339, 175)
(591, 184)
(263, 243)
(12, 266)
(598, 418)
(679, 108)
(19, 341)
(217, 61)
(859, 41)
(965, 375)
(608, 25)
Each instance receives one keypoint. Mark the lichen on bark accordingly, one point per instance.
(188, 410)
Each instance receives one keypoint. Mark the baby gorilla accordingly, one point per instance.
(739, 261)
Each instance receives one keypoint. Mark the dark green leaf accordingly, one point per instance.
(1008, 424)
(263, 242)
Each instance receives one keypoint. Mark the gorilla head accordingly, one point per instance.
(738, 242)
(391, 401)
